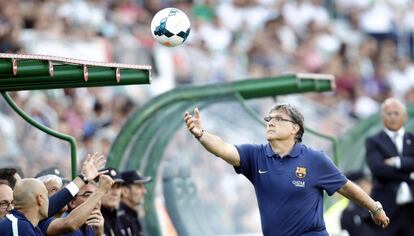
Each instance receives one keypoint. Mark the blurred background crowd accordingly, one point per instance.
(367, 44)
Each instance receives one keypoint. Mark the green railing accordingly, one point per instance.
(29, 72)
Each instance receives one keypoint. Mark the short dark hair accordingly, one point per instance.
(295, 115)
(7, 174)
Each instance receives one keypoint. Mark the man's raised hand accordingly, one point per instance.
(194, 122)
(92, 164)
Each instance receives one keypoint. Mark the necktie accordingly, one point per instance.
(398, 142)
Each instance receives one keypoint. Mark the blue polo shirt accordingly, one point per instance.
(289, 190)
(84, 230)
(19, 223)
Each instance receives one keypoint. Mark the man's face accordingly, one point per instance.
(393, 116)
(6, 200)
(280, 126)
(45, 202)
(52, 187)
(134, 194)
(82, 195)
(112, 198)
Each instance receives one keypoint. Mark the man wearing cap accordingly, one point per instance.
(133, 194)
(53, 171)
(110, 205)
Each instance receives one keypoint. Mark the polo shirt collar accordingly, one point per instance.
(18, 214)
(296, 150)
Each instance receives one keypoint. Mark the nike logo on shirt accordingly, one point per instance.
(262, 171)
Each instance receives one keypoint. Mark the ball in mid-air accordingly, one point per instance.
(170, 27)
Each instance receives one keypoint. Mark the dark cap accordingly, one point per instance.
(356, 175)
(134, 177)
(114, 174)
(50, 171)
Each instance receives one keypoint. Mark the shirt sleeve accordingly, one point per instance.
(59, 200)
(44, 224)
(330, 177)
(247, 162)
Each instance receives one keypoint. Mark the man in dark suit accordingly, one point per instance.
(390, 157)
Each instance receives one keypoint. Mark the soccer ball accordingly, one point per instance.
(170, 27)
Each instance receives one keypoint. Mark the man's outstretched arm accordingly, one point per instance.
(354, 193)
(211, 142)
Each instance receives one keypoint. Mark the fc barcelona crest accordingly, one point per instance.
(300, 172)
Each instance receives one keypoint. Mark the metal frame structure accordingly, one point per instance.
(30, 72)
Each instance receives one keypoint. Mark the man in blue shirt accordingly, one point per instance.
(288, 176)
(89, 171)
(31, 205)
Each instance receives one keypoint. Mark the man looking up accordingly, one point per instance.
(289, 177)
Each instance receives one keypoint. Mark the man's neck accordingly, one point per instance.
(282, 147)
(31, 216)
(128, 203)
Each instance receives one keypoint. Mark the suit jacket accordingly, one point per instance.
(386, 179)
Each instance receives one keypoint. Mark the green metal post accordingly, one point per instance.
(45, 129)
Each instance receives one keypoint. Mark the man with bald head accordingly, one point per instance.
(31, 205)
(390, 157)
(6, 199)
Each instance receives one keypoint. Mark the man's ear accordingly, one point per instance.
(296, 128)
(124, 191)
(38, 200)
(72, 204)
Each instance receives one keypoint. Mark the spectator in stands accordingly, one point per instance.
(390, 157)
(110, 205)
(288, 176)
(133, 194)
(354, 219)
(31, 206)
(6, 199)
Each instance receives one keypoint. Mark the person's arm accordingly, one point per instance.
(378, 165)
(90, 168)
(80, 214)
(354, 193)
(211, 142)
(402, 163)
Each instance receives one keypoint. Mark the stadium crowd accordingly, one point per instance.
(367, 45)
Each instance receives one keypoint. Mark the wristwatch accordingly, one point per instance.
(83, 178)
(377, 209)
